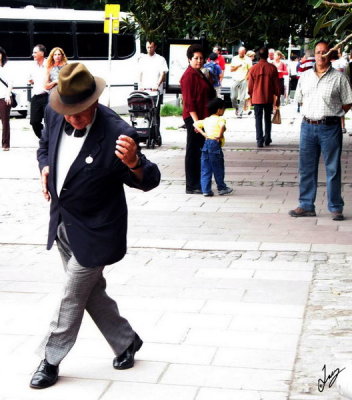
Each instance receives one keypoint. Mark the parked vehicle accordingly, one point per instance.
(81, 34)
(227, 80)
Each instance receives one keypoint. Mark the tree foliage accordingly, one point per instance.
(255, 22)
(335, 20)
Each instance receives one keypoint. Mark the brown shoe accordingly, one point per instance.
(337, 216)
(301, 212)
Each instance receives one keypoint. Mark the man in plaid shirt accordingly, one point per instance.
(325, 96)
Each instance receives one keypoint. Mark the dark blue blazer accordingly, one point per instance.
(92, 201)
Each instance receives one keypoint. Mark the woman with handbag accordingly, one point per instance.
(5, 100)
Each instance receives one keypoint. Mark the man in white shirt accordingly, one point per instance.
(152, 70)
(240, 66)
(325, 96)
(39, 99)
(270, 58)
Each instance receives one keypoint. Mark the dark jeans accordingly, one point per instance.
(38, 104)
(258, 112)
(5, 119)
(316, 139)
(293, 83)
(195, 142)
(212, 163)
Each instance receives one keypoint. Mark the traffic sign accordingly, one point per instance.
(111, 20)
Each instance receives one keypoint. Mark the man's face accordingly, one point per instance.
(37, 54)
(321, 61)
(216, 50)
(82, 119)
(271, 55)
(241, 51)
(150, 48)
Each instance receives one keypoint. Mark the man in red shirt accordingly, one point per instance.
(220, 60)
(264, 90)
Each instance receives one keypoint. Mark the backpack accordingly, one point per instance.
(213, 75)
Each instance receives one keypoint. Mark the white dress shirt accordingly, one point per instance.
(69, 148)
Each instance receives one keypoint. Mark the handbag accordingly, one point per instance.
(12, 96)
(276, 117)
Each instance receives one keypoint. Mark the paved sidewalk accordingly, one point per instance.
(232, 297)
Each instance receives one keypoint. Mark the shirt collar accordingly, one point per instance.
(328, 70)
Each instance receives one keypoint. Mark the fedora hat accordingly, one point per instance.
(76, 90)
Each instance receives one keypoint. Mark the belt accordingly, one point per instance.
(323, 121)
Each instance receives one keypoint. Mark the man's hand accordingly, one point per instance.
(44, 181)
(126, 151)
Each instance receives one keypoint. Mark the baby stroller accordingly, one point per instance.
(143, 107)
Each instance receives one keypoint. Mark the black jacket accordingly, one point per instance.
(92, 201)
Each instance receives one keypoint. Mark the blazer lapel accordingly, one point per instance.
(55, 130)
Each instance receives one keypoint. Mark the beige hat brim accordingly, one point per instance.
(70, 109)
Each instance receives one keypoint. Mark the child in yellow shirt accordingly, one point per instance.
(212, 160)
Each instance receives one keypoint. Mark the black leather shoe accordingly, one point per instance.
(126, 359)
(46, 375)
(337, 216)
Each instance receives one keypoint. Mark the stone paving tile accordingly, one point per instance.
(254, 309)
(285, 246)
(255, 358)
(227, 377)
(249, 339)
(134, 391)
(223, 394)
(191, 320)
(100, 368)
(266, 324)
(15, 387)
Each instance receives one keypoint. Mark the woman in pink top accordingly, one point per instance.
(281, 69)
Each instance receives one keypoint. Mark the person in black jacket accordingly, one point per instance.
(86, 154)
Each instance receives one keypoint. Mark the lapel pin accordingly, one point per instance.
(89, 159)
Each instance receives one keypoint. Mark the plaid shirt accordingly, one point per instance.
(324, 96)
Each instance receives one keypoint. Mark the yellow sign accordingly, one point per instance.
(112, 11)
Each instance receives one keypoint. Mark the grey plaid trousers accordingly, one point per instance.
(84, 289)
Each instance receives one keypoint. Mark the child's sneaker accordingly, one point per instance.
(227, 190)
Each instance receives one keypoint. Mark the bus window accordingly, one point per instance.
(54, 34)
(92, 42)
(125, 46)
(14, 38)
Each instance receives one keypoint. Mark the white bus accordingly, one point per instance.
(80, 34)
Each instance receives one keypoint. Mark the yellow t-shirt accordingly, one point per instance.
(212, 126)
(244, 63)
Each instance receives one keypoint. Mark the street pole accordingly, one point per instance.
(289, 48)
(110, 51)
